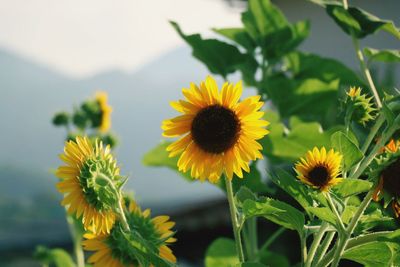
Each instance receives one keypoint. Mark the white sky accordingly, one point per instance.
(82, 37)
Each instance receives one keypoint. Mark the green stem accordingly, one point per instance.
(314, 246)
(77, 241)
(303, 245)
(120, 210)
(363, 65)
(368, 141)
(324, 246)
(235, 224)
(343, 238)
(335, 211)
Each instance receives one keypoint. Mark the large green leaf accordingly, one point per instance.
(270, 258)
(359, 22)
(239, 36)
(158, 157)
(351, 187)
(221, 253)
(370, 254)
(54, 257)
(350, 151)
(308, 98)
(386, 55)
(282, 41)
(262, 18)
(276, 211)
(324, 213)
(288, 145)
(306, 66)
(293, 187)
(219, 57)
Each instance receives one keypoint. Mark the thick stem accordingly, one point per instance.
(343, 238)
(77, 241)
(335, 211)
(303, 245)
(324, 247)
(314, 246)
(235, 224)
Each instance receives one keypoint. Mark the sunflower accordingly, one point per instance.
(119, 248)
(105, 110)
(218, 133)
(82, 183)
(386, 169)
(319, 169)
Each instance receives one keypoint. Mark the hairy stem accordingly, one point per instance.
(235, 224)
(314, 246)
(343, 238)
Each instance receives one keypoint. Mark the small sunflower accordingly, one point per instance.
(219, 133)
(386, 170)
(105, 110)
(82, 183)
(363, 109)
(319, 168)
(120, 249)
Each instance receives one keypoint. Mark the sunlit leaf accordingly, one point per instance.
(370, 254)
(350, 187)
(323, 213)
(239, 36)
(221, 253)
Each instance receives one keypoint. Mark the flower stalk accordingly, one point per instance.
(235, 223)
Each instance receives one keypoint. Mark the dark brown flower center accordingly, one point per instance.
(215, 129)
(391, 178)
(319, 176)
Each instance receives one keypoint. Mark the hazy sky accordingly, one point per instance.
(82, 37)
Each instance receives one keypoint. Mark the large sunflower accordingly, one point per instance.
(105, 111)
(120, 249)
(386, 168)
(219, 133)
(84, 194)
(319, 168)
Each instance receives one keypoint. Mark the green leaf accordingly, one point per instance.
(219, 57)
(389, 114)
(239, 36)
(351, 187)
(348, 213)
(370, 254)
(350, 152)
(270, 258)
(293, 187)
(282, 41)
(55, 257)
(359, 22)
(252, 264)
(387, 55)
(221, 253)
(262, 18)
(324, 213)
(243, 194)
(251, 180)
(306, 66)
(317, 97)
(158, 157)
(288, 145)
(276, 211)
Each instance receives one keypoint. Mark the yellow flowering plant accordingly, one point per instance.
(324, 136)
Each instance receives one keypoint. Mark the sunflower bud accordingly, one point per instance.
(61, 118)
(360, 105)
